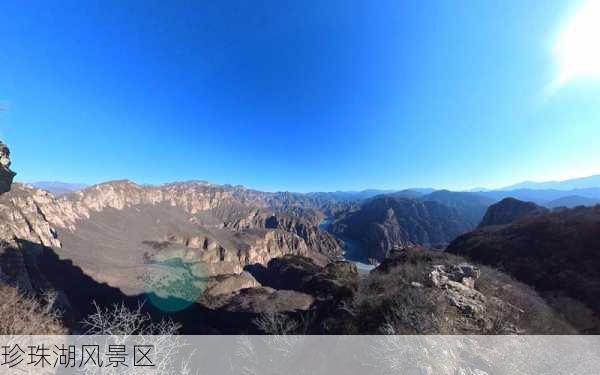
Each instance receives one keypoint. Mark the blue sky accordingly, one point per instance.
(294, 95)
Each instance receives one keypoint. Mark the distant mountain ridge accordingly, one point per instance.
(542, 197)
(350, 196)
(542, 193)
(58, 188)
(572, 201)
(570, 184)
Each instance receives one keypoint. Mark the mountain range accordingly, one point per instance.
(227, 259)
(570, 184)
(568, 193)
(58, 188)
(218, 258)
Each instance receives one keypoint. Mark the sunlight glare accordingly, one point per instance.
(578, 46)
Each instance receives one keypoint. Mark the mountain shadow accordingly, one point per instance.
(82, 291)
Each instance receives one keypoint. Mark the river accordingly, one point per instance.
(354, 251)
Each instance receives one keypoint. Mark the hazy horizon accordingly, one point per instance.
(305, 96)
(472, 189)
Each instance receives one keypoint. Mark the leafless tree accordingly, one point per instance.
(120, 325)
(23, 314)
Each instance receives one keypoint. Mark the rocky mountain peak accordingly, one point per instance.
(6, 174)
(509, 210)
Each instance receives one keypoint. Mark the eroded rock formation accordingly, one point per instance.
(6, 175)
(125, 229)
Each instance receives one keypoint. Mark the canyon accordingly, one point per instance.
(225, 259)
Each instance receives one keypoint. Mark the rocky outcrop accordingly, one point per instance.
(23, 231)
(458, 282)
(509, 210)
(422, 291)
(330, 283)
(334, 281)
(23, 216)
(557, 253)
(215, 258)
(6, 175)
(228, 284)
(315, 238)
(387, 222)
(263, 300)
(290, 284)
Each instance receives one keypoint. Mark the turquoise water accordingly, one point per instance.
(173, 285)
(354, 251)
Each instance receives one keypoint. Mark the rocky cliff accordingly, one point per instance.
(306, 228)
(25, 215)
(113, 229)
(508, 210)
(387, 222)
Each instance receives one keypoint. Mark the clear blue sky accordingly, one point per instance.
(293, 95)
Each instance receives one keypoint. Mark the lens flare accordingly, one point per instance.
(578, 46)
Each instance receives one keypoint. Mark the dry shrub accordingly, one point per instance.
(276, 324)
(124, 326)
(415, 311)
(390, 301)
(523, 307)
(387, 302)
(22, 314)
(119, 320)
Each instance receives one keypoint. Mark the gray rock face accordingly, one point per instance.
(458, 282)
(509, 210)
(22, 216)
(307, 228)
(6, 175)
(387, 222)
